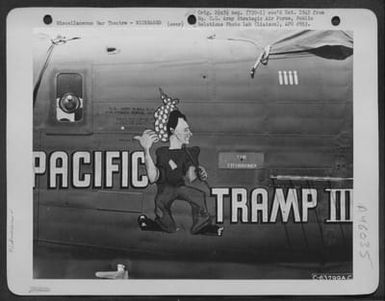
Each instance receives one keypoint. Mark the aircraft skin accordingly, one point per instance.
(302, 129)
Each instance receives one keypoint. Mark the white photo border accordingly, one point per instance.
(20, 24)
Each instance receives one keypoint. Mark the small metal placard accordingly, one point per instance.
(240, 160)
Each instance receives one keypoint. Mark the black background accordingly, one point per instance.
(377, 6)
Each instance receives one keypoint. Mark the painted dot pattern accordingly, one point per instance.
(162, 114)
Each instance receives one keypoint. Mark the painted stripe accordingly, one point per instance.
(291, 78)
(285, 77)
(280, 78)
(295, 77)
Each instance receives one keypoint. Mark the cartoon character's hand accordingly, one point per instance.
(202, 173)
(147, 139)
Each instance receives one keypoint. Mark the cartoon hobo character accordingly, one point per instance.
(175, 168)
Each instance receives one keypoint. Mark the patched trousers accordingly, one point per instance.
(166, 196)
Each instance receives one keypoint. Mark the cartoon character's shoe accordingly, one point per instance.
(143, 221)
(200, 222)
(211, 230)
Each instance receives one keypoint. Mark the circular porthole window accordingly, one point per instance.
(69, 103)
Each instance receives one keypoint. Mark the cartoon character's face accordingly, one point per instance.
(182, 131)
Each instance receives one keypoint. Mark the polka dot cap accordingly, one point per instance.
(162, 114)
